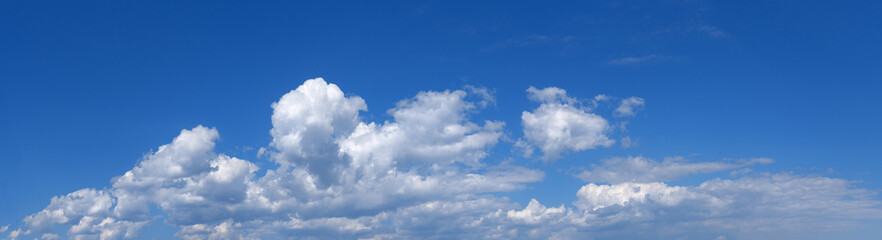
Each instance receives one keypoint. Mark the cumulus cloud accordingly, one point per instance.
(640, 169)
(558, 125)
(424, 174)
(307, 121)
(334, 174)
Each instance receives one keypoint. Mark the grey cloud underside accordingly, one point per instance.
(424, 175)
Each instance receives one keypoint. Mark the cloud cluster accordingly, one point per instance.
(424, 174)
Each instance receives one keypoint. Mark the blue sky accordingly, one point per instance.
(89, 90)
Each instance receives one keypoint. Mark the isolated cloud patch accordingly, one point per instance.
(558, 125)
(629, 106)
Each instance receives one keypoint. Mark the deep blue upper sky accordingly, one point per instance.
(87, 88)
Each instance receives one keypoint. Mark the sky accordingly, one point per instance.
(440, 120)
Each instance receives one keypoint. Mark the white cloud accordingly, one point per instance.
(49, 236)
(593, 197)
(640, 169)
(423, 175)
(765, 203)
(15, 234)
(536, 213)
(307, 121)
(550, 95)
(4, 228)
(629, 106)
(225, 230)
(486, 96)
(558, 126)
(335, 173)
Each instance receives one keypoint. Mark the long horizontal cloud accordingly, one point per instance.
(640, 169)
(424, 174)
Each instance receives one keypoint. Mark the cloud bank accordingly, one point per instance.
(424, 174)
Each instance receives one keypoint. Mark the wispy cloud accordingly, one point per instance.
(637, 60)
(712, 31)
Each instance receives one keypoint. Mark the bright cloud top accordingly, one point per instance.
(425, 174)
(559, 125)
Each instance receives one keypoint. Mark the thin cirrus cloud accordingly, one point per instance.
(424, 175)
(641, 60)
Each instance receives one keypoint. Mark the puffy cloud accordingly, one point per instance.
(536, 213)
(89, 211)
(595, 197)
(380, 166)
(558, 126)
(307, 121)
(640, 169)
(423, 174)
(629, 106)
(336, 175)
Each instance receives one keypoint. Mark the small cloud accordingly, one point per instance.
(712, 31)
(4, 228)
(626, 61)
(261, 152)
(50, 236)
(629, 106)
(558, 126)
(599, 99)
(631, 60)
(739, 172)
(623, 126)
(485, 95)
(627, 142)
